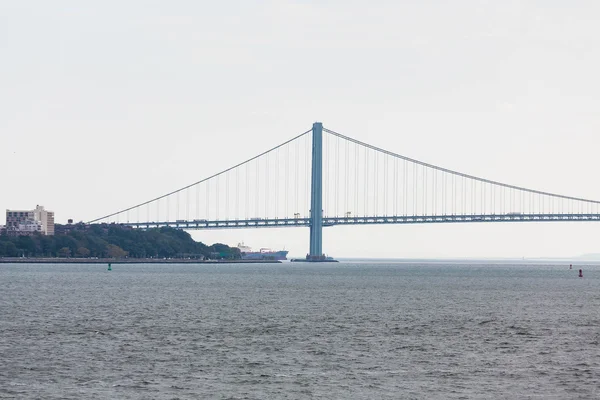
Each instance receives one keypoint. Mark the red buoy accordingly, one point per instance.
(581, 273)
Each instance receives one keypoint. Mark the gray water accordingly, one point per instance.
(298, 331)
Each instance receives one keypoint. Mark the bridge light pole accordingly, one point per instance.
(316, 194)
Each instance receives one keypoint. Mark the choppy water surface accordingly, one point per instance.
(345, 331)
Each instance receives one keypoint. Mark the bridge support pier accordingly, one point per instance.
(316, 195)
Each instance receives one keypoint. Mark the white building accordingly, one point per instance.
(26, 222)
(46, 218)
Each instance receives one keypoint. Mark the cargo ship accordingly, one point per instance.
(262, 254)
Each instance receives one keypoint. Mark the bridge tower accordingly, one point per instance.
(316, 194)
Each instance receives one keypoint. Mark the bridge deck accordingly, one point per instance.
(332, 221)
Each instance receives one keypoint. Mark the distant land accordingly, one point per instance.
(476, 260)
(591, 256)
(113, 241)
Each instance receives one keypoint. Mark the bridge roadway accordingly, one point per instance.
(332, 221)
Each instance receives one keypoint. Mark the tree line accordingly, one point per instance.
(112, 241)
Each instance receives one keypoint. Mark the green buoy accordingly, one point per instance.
(109, 268)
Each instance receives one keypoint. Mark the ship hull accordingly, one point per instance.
(263, 255)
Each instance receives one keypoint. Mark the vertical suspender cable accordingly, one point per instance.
(347, 175)
(218, 189)
(385, 185)
(247, 192)
(197, 201)
(378, 195)
(297, 172)
(287, 180)
(356, 164)
(227, 195)
(405, 187)
(326, 180)
(366, 181)
(257, 189)
(276, 172)
(307, 175)
(337, 176)
(395, 186)
(425, 198)
(267, 193)
(415, 194)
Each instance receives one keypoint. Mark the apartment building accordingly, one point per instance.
(27, 222)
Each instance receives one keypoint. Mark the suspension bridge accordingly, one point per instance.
(323, 178)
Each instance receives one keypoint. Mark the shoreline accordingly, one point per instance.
(21, 260)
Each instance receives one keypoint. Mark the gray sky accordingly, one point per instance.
(109, 103)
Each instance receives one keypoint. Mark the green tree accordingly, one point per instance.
(26, 245)
(64, 252)
(12, 250)
(115, 251)
(111, 240)
(9, 249)
(83, 251)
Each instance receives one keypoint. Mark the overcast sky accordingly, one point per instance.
(104, 104)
